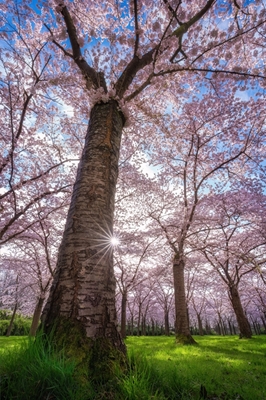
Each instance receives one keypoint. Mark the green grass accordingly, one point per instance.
(228, 368)
(11, 342)
(218, 368)
(32, 370)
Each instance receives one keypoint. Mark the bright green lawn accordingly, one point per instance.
(11, 341)
(219, 368)
(227, 367)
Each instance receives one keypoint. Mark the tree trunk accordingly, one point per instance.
(224, 327)
(182, 331)
(201, 333)
(82, 298)
(36, 316)
(10, 326)
(123, 314)
(207, 328)
(152, 327)
(138, 323)
(263, 322)
(230, 326)
(132, 325)
(218, 328)
(166, 321)
(143, 325)
(242, 321)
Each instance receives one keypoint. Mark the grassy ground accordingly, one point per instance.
(224, 367)
(11, 342)
(218, 368)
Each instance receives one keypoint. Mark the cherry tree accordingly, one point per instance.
(217, 146)
(37, 163)
(200, 283)
(37, 250)
(259, 298)
(164, 295)
(17, 293)
(129, 270)
(111, 58)
(232, 245)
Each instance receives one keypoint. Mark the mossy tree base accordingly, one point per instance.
(247, 336)
(184, 339)
(97, 360)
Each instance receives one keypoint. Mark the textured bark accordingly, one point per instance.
(139, 318)
(230, 327)
(10, 326)
(152, 327)
(36, 316)
(182, 330)
(263, 322)
(242, 321)
(123, 314)
(83, 289)
(201, 333)
(166, 321)
(207, 328)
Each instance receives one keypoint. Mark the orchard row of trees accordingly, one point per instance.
(174, 92)
(201, 196)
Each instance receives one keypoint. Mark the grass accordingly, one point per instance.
(11, 342)
(218, 368)
(32, 370)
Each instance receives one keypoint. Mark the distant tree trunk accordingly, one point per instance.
(224, 327)
(132, 324)
(143, 325)
(254, 326)
(263, 322)
(207, 328)
(201, 333)
(217, 328)
(139, 320)
(182, 331)
(166, 321)
(82, 297)
(242, 321)
(152, 327)
(156, 328)
(10, 326)
(230, 326)
(123, 314)
(36, 316)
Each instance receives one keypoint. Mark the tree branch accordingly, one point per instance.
(89, 73)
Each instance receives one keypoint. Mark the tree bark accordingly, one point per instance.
(242, 321)
(82, 297)
(263, 322)
(36, 316)
(138, 323)
(123, 314)
(10, 326)
(201, 333)
(182, 330)
(230, 327)
(166, 321)
(152, 327)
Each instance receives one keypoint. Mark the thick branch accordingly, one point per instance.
(185, 26)
(136, 64)
(23, 211)
(136, 27)
(91, 76)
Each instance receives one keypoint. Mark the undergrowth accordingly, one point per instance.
(35, 371)
(219, 368)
